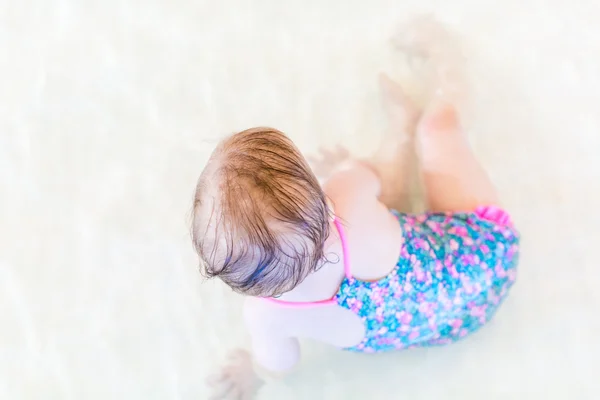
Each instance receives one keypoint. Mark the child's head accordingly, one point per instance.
(260, 217)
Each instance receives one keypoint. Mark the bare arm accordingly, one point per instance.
(273, 354)
(274, 351)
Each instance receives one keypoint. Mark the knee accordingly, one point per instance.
(440, 118)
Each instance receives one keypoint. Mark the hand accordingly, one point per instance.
(236, 380)
(328, 160)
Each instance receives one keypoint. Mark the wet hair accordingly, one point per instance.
(260, 217)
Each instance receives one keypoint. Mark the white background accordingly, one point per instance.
(109, 109)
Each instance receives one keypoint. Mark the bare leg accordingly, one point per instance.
(454, 180)
(395, 157)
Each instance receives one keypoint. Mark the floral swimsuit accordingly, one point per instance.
(454, 271)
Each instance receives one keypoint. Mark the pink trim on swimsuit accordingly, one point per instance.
(490, 213)
(494, 214)
(347, 272)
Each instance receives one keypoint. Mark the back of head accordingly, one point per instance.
(260, 217)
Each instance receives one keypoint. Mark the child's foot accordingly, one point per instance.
(400, 109)
(419, 38)
(436, 58)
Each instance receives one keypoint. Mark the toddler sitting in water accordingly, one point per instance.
(333, 263)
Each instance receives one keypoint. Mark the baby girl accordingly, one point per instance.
(333, 263)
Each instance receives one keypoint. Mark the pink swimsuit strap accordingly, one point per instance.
(347, 272)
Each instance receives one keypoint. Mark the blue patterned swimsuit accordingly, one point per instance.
(454, 271)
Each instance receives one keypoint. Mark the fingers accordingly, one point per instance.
(318, 160)
(239, 356)
(224, 386)
(391, 90)
(317, 165)
(215, 379)
(236, 380)
(327, 159)
(222, 389)
(338, 153)
(342, 152)
(326, 154)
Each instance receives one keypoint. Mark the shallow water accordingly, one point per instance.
(110, 109)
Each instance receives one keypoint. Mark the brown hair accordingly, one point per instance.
(268, 218)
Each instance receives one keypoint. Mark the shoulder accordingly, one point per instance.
(354, 190)
(374, 233)
(354, 178)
